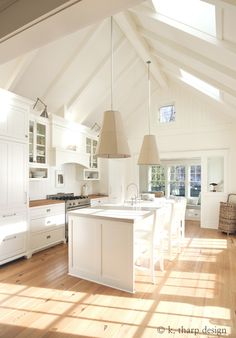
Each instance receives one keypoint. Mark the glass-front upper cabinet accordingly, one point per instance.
(37, 142)
(91, 146)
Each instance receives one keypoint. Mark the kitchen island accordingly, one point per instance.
(101, 244)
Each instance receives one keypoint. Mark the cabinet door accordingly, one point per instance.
(3, 175)
(85, 247)
(17, 175)
(37, 142)
(13, 120)
(13, 171)
(117, 261)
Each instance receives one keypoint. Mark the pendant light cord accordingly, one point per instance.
(149, 96)
(111, 63)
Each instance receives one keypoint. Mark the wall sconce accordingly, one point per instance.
(37, 105)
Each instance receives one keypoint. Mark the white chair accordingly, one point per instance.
(175, 228)
(149, 240)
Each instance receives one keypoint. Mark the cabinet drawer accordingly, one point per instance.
(47, 223)
(41, 240)
(12, 245)
(45, 211)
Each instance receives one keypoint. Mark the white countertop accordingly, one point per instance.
(119, 214)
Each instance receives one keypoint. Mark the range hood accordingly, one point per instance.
(61, 156)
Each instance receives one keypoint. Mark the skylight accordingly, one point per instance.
(201, 85)
(194, 13)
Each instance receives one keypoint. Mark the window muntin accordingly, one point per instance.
(167, 114)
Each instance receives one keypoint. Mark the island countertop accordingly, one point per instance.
(122, 215)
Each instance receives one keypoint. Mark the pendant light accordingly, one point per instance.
(149, 154)
(112, 142)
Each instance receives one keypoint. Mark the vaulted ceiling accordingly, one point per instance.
(63, 56)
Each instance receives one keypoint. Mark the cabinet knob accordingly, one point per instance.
(26, 136)
(48, 210)
(48, 237)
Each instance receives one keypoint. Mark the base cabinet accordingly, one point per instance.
(47, 226)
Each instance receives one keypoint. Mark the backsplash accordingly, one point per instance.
(73, 183)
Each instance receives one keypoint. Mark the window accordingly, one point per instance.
(157, 181)
(182, 179)
(193, 13)
(200, 85)
(195, 180)
(167, 114)
(177, 180)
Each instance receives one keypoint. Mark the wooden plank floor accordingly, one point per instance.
(194, 297)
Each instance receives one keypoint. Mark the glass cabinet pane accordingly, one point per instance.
(37, 142)
(31, 141)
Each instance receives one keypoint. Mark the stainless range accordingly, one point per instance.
(72, 202)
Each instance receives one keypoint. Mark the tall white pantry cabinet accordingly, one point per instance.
(14, 117)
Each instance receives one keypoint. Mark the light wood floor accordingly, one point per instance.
(197, 291)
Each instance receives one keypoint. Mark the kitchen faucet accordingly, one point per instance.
(133, 199)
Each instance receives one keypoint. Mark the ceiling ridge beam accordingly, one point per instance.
(82, 45)
(129, 29)
(97, 70)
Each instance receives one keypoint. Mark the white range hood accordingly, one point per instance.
(61, 156)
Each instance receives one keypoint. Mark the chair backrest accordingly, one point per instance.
(176, 217)
(161, 219)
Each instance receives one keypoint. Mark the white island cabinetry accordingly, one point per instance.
(101, 245)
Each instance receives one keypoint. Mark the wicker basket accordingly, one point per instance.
(227, 219)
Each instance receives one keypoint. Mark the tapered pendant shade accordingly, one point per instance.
(149, 154)
(112, 141)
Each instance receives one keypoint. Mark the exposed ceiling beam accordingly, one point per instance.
(79, 94)
(227, 107)
(130, 30)
(52, 26)
(89, 37)
(198, 73)
(22, 64)
(220, 51)
(120, 78)
(222, 76)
